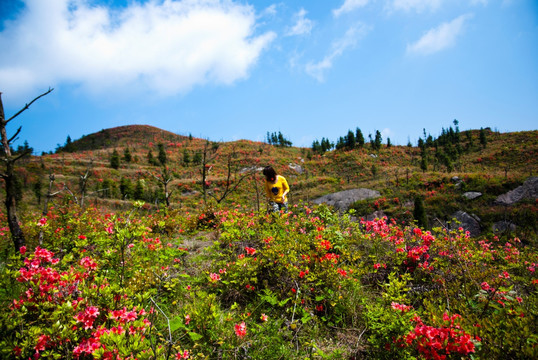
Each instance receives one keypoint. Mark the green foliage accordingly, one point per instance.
(127, 157)
(278, 139)
(162, 154)
(419, 212)
(265, 286)
(115, 160)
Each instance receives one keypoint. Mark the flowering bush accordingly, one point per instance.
(309, 283)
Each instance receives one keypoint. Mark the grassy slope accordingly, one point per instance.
(504, 164)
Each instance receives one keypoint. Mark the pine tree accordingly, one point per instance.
(424, 164)
(419, 213)
(483, 139)
(151, 159)
(350, 140)
(359, 138)
(378, 140)
(139, 190)
(162, 154)
(127, 155)
(186, 157)
(115, 160)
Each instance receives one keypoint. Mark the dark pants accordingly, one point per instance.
(276, 207)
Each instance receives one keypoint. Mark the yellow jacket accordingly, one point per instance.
(276, 190)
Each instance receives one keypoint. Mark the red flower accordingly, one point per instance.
(241, 329)
(42, 342)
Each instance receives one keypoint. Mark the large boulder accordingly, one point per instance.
(343, 199)
(470, 223)
(529, 190)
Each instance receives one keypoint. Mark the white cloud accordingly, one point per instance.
(349, 40)
(166, 46)
(439, 38)
(348, 6)
(415, 5)
(303, 25)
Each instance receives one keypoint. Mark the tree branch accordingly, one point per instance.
(28, 105)
(14, 136)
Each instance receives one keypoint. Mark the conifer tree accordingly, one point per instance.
(419, 213)
(127, 155)
(115, 160)
(359, 138)
(378, 140)
(162, 154)
(483, 139)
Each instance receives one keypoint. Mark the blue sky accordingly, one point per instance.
(228, 70)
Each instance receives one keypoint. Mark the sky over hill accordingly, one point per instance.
(228, 70)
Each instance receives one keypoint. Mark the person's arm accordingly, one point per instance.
(267, 190)
(286, 189)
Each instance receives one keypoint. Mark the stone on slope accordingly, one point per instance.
(343, 199)
(529, 190)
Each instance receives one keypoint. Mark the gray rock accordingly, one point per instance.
(297, 168)
(250, 169)
(375, 215)
(455, 179)
(373, 156)
(529, 190)
(470, 223)
(503, 226)
(341, 200)
(470, 195)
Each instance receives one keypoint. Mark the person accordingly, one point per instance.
(276, 189)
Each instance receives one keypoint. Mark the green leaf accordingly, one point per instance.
(195, 336)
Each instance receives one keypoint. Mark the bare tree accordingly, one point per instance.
(209, 154)
(230, 185)
(9, 175)
(165, 177)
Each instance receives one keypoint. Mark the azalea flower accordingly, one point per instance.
(241, 329)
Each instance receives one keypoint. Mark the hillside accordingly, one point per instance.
(502, 165)
(208, 277)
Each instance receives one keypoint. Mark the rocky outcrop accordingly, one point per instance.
(529, 190)
(503, 227)
(470, 223)
(343, 199)
(297, 168)
(470, 195)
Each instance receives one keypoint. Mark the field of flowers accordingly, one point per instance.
(233, 283)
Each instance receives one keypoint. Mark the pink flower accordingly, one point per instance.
(88, 263)
(401, 307)
(22, 250)
(214, 277)
(42, 222)
(250, 251)
(264, 318)
(241, 329)
(187, 319)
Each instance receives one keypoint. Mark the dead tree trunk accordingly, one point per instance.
(165, 178)
(8, 175)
